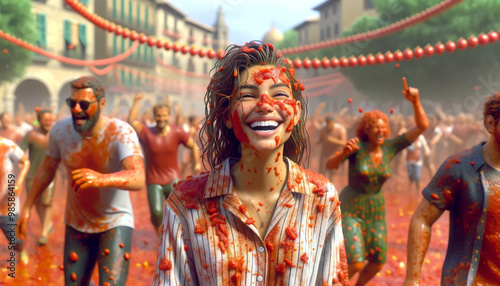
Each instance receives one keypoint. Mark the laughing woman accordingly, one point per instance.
(363, 205)
(257, 218)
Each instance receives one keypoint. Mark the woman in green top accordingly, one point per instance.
(363, 206)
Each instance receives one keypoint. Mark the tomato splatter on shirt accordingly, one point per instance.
(165, 264)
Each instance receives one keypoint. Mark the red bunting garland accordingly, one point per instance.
(398, 56)
(381, 32)
(151, 41)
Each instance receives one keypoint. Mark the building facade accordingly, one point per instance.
(152, 71)
(339, 15)
(308, 32)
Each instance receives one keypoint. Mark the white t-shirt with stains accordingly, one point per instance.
(95, 210)
(10, 155)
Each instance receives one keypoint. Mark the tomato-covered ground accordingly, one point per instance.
(43, 267)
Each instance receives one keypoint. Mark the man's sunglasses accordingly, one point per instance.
(84, 104)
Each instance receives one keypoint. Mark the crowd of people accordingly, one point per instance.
(255, 191)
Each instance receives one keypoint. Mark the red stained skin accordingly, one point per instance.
(277, 140)
(277, 156)
(73, 256)
(276, 172)
(273, 73)
(238, 129)
(291, 232)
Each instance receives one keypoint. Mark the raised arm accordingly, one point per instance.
(134, 110)
(336, 159)
(195, 155)
(421, 120)
(419, 237)
(314, 117)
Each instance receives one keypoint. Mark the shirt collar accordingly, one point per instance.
(477, 156)
(220, 181)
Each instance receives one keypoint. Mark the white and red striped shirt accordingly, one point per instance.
(205, 240)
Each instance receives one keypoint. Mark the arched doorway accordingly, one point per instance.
(64, 93)
(31, 93)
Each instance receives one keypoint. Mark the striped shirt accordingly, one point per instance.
(206, 241)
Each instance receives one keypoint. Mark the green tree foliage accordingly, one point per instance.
(16, 19)
(444, 78)
(290, 39)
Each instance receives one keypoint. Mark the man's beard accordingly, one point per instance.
(89, 123)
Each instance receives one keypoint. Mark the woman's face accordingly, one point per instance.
(377, 132)
(263, 112)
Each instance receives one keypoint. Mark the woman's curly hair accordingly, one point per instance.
(219, 142)
(369, 119)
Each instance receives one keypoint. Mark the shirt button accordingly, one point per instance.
(261, 249)
(259, 278)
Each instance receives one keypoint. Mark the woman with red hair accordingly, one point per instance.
(363, 205)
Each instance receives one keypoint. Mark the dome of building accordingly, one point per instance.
(273, 36)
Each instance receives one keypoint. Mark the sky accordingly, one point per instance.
(250, 19)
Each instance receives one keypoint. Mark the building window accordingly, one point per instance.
(138, 15)
(205, 68)
(368, 4)
(146, 53)
(306, 36)
(334, 9)
(151, 55)
(300, 37)
(82, 35)
(190, 66)
(42, 30)
(115, 45)
(175, 25)
(114, 9)
(122, 78)
(325, 13)
(130, 13)
(122, 11)
(336, 28)
(146, 19)
(138, 53)
(321, 35)
(122, 48)
(328, 32)
(175, 61)
(165, 26)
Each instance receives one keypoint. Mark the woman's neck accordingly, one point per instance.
(257, 172)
